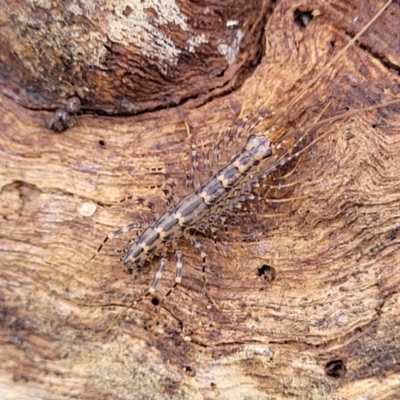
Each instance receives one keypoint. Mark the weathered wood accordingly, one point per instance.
(321, 322)
(128, 57)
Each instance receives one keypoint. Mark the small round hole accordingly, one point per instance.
(302, 18)
(266, 272)
(189, 370)
(102, 143)
(335, 369)
(155, 301)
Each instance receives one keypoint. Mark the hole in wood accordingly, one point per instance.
(189, 370)
(302, 18)
(335, 369)
(155, 301)
(266, 272)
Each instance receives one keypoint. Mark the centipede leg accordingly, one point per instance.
(207, 162)
(197, 245)
(207, 229)
(218, 222)
(150, 290)
(169, 190)
(148, 204)
(188, 174)
(178, 278)
(195, 177)
(195, 165)
(247, 126)
(112, 235)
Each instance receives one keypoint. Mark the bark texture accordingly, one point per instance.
(307, 289)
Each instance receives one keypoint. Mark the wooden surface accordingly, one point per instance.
(322, 322)
(126, 57)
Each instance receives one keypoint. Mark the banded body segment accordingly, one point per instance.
(217, 188)
(152, 240)
(193, 208)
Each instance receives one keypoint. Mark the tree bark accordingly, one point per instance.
(304, 283)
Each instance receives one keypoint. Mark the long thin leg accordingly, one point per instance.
(188, 174)
(197, 245)
(195, 165)
(247, 125)
(157, 278)
(112, 235)
(150, 290)
(207, 163)
(194, 158)
(207, 229)
(216, 154)
(138, 199)
(169, 191)
(178, 277)
(252, 197)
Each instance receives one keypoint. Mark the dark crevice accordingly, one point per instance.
(378, 56)
(302, 18)
(335, 369)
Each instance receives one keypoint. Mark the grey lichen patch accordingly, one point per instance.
(131, 21)
(230, 51)
(195, 41)
(46, 4)
(55, 39)
(128, 22)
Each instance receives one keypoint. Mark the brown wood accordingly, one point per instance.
(128, 57)
(309, 300)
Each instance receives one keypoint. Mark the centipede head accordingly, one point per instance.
(135, 256)
(259, 146)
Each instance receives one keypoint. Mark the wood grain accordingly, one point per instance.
(323, 324)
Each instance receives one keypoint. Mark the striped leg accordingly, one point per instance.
(112, 234)
(221, 152)
(195, 165)
(169, 190)
(197, 245)
(188, 174)
(218, 221)
(207, 162)
(138, 199)
(150, 290)
(216, 154)
(234, 135)
(227, 148)
(195, 177)
(178, 277)
(246, 126)
(207, 229)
